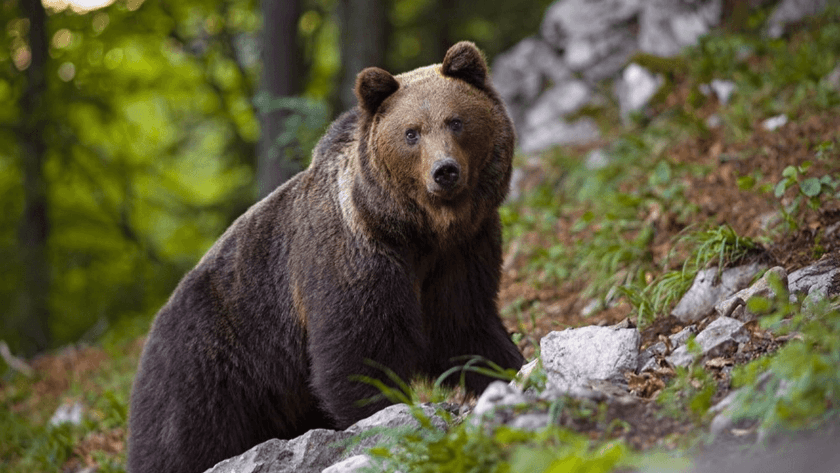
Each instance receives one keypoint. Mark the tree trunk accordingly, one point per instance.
(281, 77)
(362, 29)
(445, 11)
(33, 231)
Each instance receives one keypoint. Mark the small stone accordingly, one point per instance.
(647, 359)
(497, 394)
(524, 373)
(832, 79)
(530, 422)
(774, 123)
(734, 306)
(817, 281)
(714, 121)
(678, 339)
(69, 412)
(723, 90)
(636, 88)
(719, 336)
(723, 415)
(595, 160)
(707, 290)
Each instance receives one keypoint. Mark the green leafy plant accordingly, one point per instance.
(810, 190)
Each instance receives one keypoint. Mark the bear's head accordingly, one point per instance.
(436, 146)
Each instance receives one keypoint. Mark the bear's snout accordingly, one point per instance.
(446, 173)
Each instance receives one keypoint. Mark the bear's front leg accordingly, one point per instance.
(358, 322)
(460, 301)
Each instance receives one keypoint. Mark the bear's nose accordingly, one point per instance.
(446, 173)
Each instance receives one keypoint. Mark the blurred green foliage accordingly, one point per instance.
(151, 127)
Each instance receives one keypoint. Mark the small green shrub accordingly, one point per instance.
(810, 190)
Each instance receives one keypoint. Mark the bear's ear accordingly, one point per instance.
(464, 61)
(373, 86)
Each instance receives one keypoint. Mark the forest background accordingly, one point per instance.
(133, 132)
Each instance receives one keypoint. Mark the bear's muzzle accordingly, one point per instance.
(446, 178)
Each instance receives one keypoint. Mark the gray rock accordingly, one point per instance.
(817, 281)
(679, 338)
(552, 393)
(320, 448)
(707, 290)
(791, 11)
(497, 394)
(610, 66)
(596, 159)
(725, 409)
(354, 464)
(521, 73)
(558, 132)
(723, 89)
(723, 419)
(398, 415)
(311, 452)
(835, 227)
(735, 305)
(774, 123)
(530, 422)
(723, 334)
(562, 99)
(667, 26)
(573, 357)
(67, 413)
(636, 87)
(524, 373)
(714, 121)
(584, 52)
(567, 18)
(832, 79)
(647, 358)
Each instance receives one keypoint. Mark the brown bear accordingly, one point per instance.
(385, 252)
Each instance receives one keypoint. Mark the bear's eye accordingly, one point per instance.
(456, 125)
(411, 136)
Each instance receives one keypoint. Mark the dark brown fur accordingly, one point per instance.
(363, 256)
